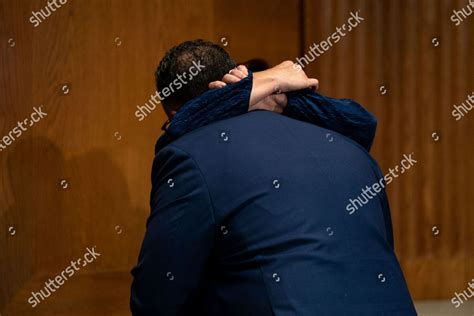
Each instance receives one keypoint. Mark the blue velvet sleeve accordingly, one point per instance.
(340, 115)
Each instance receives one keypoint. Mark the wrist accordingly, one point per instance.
(264, 84)
(271, 80)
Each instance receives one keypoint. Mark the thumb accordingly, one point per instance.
(313, 83)
(217, 85)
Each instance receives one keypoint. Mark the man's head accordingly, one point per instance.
(174, 71)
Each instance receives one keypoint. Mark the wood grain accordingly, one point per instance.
(393, 47)
(106, 51)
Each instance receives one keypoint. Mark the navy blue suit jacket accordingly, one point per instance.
(249, 218)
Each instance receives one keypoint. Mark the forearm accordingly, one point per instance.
(264, 84)
(341, 115)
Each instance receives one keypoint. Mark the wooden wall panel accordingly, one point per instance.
(259, 29)
(393, 47)
(107, 51)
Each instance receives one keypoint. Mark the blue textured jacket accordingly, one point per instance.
(248, 218)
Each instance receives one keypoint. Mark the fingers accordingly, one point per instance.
(281, 101)
(274, 103)
(217, 85)
(230, 78)
(237, 73)
(234, 76)
(243, 69)
(313, 83)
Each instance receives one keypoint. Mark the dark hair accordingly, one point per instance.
(180, 58)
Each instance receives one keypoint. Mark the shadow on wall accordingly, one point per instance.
(60, 207)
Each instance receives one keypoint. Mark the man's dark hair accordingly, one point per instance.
(180, 58)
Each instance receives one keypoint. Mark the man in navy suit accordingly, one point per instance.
(248, 212)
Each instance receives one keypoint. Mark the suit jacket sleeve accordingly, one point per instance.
(178, 239)
(341, 115)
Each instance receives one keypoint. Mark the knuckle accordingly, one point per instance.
(227, 78)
